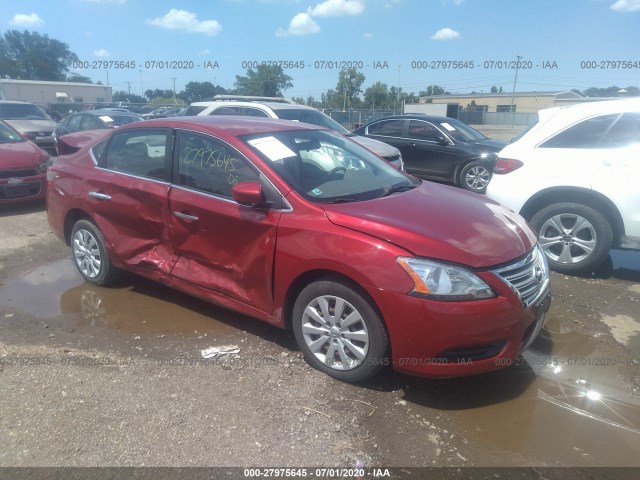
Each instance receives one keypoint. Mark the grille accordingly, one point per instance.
(18, 173)
(528, 277)
(21, 190)
(43, 133)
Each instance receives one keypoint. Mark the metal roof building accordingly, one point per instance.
(44, 93)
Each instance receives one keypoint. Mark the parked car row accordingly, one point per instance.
(570, 175)
(267, 107)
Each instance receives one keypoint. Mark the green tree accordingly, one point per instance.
(349, 85)
(122, 96)
(411, 98)
(377, 96)
(612, 91)
(32, 56)
(329, 99)
(433, 90)
(298, 100)
(157, 93)
(78, 79)
(312, 102)
(265, 80)
(495, 89)
(196, 91)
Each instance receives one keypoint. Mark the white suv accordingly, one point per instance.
(574, 177)
(280, 108)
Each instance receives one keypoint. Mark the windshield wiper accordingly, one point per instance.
(396, 189)
(343, 200)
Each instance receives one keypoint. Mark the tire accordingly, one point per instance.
(575, 238)
(475, 177)
(353, 352)
(90, 254)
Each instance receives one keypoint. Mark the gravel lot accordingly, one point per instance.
(114, 377)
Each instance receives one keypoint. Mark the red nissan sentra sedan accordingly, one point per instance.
(22, 167)
(303, 228)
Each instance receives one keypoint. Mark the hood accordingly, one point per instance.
(19, 155)
(379, 148)
(441, 222)
(33, 125)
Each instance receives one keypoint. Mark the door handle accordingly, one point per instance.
(184, 216)
(100, 196)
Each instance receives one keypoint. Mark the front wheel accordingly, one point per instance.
(575, 238)
(475, 177)
(339, 331)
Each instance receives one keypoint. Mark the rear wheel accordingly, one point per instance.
(475, 177)
(339, 331)
(575, 238)
(90, 254)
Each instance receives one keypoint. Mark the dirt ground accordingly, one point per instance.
(94, 376)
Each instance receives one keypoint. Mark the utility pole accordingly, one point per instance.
(513, 93)
(344, 103)
(129, 84)
(174, 91)
(141, 88)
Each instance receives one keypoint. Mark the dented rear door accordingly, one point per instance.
(129, 196)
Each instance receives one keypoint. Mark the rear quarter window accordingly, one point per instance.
(586, 134)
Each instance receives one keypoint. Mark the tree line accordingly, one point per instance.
(33, 56)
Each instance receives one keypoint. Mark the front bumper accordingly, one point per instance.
(23, 188)
(452, 339)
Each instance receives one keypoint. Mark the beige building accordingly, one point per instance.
(530, 102)
(44, 93)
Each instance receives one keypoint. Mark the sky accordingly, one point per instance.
(462, 45)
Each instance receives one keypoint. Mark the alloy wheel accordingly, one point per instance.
(335, 332)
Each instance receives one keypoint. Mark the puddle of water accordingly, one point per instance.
(628, 259)
(144, 307)
(577, 410)
(38, 291)
(141, 306)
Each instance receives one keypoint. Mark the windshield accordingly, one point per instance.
(460, 132)
(7, 135)
(325, 167)
(22, 111)
(314, 117)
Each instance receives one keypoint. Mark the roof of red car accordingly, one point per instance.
(229, 124)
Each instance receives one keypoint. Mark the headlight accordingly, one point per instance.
(440, 281)
(46, 163)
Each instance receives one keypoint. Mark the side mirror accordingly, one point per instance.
(29, 136)
(442, 140)
(249, 194)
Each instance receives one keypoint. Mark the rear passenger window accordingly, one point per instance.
(625, 132)
(141, 153)
(586, 134)
(388, 128)
(423, 131)
(227, 111)
(254, 112)
(210, 166)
